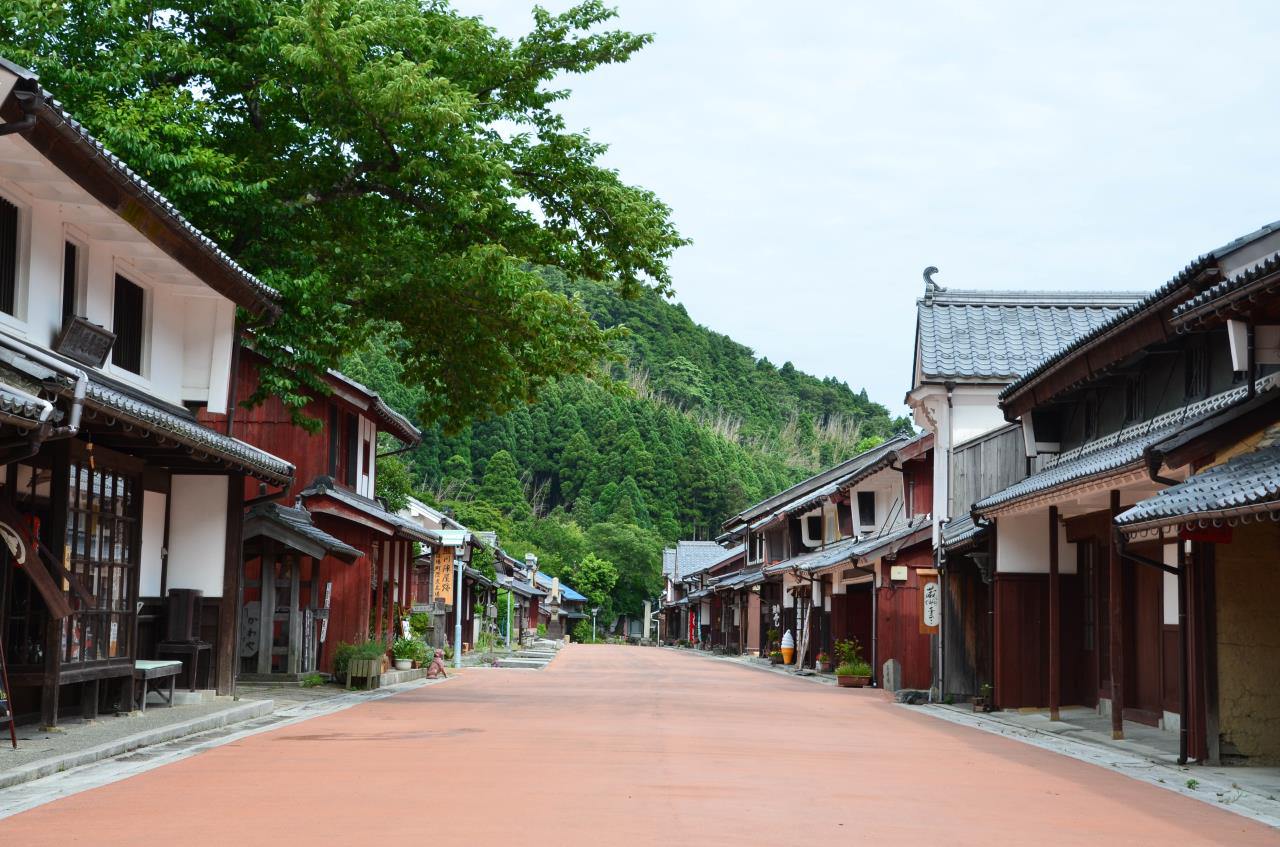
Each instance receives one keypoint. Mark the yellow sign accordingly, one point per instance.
(442, 575)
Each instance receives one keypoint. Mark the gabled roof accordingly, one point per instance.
(724, 557)
(391, 421)
(324, 486)
(69, 147)
(293, 526)
(962, 532)
(846, 473)
(694, 556)
(994, 336)
(669, 562)
(1244, 486)
(1264, 276)
(813, 560)
(568, 593)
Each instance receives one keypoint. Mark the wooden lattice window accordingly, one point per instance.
(103, 531)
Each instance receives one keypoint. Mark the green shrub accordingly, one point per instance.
(409, 648)
(858, 668)
(542, 630)
(312, 680)
(582, 632)
(419, 623)
(345, 652)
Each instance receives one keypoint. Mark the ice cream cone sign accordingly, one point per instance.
(788, 647)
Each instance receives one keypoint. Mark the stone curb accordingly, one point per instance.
(1210, 788)
(244, 711)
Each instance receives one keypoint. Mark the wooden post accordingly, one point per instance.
(267, 608)
(294, 656)
(227, 650)
(1207, 563)
(59, 501)
(1055, 621)
(1116, 576)
(378, 565)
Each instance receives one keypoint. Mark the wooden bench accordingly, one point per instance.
(147, 670)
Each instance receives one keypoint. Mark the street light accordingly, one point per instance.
(593, 624)
(509, 581)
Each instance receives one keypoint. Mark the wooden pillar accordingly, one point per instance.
(378, 562)
(1055, 620)
(293, 657)
(226, 651)
(1116, 576)
(59, 501)
(1206, 560)
(267, 608)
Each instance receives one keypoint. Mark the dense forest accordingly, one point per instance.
(682, 427)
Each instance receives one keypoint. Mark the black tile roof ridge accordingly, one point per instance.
(1102, 299)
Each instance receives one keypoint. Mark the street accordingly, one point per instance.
(626, 745)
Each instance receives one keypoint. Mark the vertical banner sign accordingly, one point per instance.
(693, 627)
(442, 576)
(931, 605)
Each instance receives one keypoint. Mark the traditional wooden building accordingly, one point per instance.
(336, 479)
(122, 513)
(1084, 616)
(969, 345)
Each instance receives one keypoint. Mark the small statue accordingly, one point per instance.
(436, 668)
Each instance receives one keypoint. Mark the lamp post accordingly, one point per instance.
(460, 564)
(531, 566)
(593, 623)
(510, 581)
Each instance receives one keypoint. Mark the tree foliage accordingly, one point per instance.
(383, 163)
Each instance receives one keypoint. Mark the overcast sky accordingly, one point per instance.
(821, 154)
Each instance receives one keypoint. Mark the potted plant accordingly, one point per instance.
(775, 658)
(853, 671)
(406, 652)
(822, 662)
(982, 703)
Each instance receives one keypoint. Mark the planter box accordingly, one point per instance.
(853, 681)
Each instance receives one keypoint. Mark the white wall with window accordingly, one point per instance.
(62, 253)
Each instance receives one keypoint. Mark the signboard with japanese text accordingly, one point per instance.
(931, 605)
(442, 575)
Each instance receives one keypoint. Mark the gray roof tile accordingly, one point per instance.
(1244, 485)
(695, 556)
(297, 519)
(996, 336)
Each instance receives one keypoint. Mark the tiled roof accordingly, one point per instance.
(995, 336)
(694, 556)
(960, 532)
(324, 486)
(1248, 484)
(568, 593)
(1265, 274)
(1112, 452)
(260, 297)
(394, 422)
(153, 416)
(22, 409)
(838, 476)
(817, 559)
(669, 561)
(297, 520)
(889, 541)
(725, 555)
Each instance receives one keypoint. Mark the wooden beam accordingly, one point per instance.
(1055, 621)
(267, 610)
(1116, 612)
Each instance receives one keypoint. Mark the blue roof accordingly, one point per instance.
(568, 593)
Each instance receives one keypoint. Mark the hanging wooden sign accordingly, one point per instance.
(442, 575)
(930, 605)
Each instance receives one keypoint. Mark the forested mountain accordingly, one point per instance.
(686, 427)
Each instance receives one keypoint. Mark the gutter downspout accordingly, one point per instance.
(937, 552)
(1184, 670)
(72, 426)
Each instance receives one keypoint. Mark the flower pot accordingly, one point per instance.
(788, 653)
(822, 667)
(404, 664)
(853, 681)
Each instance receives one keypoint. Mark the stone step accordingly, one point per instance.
(535, 654)
(527, 664)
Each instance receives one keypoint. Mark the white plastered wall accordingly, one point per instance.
(198, 533)
(151, 560)
(1022, 545)
(1170, 585)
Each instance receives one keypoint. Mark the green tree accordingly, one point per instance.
(349, 152)
(594, 578)
(501, 486)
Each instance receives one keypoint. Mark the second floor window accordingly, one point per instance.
(128, 316)
(8, 256)
(70, 275)
(866, 508)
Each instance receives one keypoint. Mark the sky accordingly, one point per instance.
(821, 154)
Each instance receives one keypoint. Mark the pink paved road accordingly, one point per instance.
(626, 745)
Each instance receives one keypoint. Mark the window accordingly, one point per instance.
(8, 256)
(755, 548)
(70, 276)
(811, 528)
(866, 508)
(1132, 399)
(1091, 417)
(335, 438)
(128, 316)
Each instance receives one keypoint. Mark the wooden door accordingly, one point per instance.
(1144, 589)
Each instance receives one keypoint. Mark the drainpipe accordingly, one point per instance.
(1184, 698)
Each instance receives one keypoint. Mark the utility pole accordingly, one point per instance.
(593, 623)
(460, 563)
(510, 582)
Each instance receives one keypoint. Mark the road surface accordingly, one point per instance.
(615, 745)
